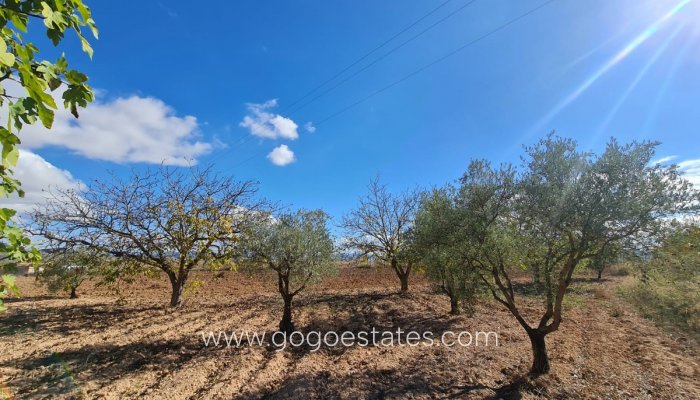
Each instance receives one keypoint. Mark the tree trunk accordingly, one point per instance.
(600, 274)
(286, 324)
(403, 275)
(404, 282)
(73, 294)
(178, 286)
(455, 309)
(540, 362)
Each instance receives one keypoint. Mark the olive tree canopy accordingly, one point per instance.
(562, 208)
(568, 206)
(298, 247)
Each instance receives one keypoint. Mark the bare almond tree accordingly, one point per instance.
(170, 219)
(379, 227)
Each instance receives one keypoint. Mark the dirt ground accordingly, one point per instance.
(93, 348)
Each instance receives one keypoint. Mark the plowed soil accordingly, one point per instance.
(94, 348)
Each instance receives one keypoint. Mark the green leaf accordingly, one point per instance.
(6, 214)
(7, 59)
(46, 115)
(9, 159)
(10, 282)
(86, 45)
(20, 21)
(76, 77)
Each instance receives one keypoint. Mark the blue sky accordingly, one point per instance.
(177, 79)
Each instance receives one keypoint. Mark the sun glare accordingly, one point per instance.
(676, 15)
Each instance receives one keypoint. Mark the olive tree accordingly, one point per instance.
(439, 243)
(379, 228)
(298, 247)
(171, 220)
(573, 204)
(606, 255)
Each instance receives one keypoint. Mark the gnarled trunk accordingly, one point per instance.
(73, 294)
(540, 359)
(286, 324)
(402, 274)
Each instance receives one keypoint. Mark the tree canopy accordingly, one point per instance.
(379, 227)
(169, 219)
(563, 207)
(298, 247)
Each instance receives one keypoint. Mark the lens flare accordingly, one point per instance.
(621, 55)
(640, 75)
(681, 56)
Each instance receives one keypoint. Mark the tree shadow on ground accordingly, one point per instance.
(41, 297)
(63, 374)
(378, 311)
(509, 391)
(378, 384)
(390, 384)
(66, 320)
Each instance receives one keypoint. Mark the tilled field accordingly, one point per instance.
(93, 348)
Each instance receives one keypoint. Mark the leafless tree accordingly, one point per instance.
(170, 219)
(379, 227)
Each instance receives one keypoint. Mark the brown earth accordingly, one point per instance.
(53, 347)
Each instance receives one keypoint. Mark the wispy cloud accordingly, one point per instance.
(309, 127)
(664, 160)
(171, 13)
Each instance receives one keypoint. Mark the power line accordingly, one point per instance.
(421, 69)
(247, 138)
(385, 55)
(322, 84)
(436, 61)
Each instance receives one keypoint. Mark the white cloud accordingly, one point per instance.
(265, 124)
(37, 176)
(281, 155)
(133, 129)
(310, 127)
(123, 130)
(664, 160)
(691, 171)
